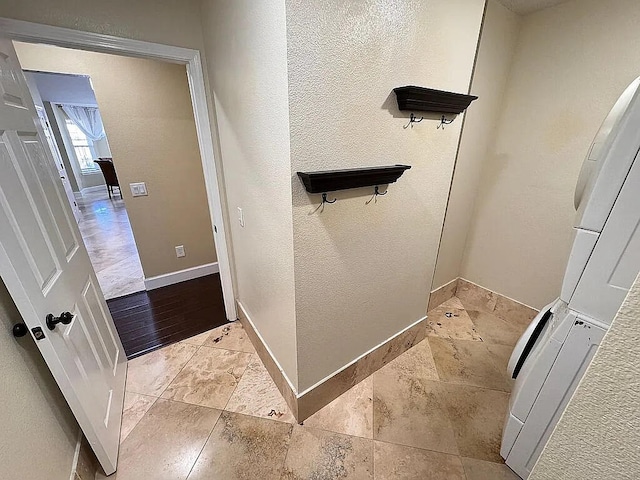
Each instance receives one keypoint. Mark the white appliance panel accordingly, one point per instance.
(615, 261)
(583, 243)
(550, 401)
(608, 161)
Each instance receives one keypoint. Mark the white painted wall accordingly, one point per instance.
(572, 61)
(598, 435)
(246, 50)
(363, 273)
(495, 54)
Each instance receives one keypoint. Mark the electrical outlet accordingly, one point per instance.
(138, 189)
(241, 216)
(180, 251)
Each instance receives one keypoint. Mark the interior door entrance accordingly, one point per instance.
(46, 269)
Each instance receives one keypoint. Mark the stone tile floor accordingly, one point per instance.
(106, 232)
(206, 408)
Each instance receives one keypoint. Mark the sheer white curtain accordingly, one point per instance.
(87, 119)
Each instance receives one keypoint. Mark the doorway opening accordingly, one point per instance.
(133, 166)
(70, 117)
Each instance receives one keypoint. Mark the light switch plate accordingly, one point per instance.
(138, 189)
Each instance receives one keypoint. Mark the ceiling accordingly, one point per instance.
(528, 6)
(64, 88)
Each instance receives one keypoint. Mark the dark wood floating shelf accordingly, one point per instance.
(331, 180)
(430, 100)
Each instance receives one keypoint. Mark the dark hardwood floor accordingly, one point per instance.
(149, 320)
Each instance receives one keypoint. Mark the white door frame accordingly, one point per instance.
(96, 42)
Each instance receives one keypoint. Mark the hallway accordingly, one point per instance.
(207, 408)
(107, 234)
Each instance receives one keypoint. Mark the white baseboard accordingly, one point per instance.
(152, 283)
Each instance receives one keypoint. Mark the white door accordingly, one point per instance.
(57, 158)
(46, 269)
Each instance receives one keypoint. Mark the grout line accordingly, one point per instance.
(238, 383)
(204, 445)
(180, 371)
(155, 399)
(424, 449)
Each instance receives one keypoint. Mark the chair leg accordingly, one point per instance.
(109, 190)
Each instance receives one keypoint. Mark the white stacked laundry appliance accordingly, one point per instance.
(554, 352)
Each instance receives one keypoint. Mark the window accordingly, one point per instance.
(83, 148)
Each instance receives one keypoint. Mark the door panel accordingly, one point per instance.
(46, 269)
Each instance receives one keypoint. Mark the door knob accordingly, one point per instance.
(64, 318)
(20, 330)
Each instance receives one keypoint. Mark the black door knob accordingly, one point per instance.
(64, 318)
(20, 330)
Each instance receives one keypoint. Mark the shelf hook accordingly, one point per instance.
(324, 200)
(376, 193)
(413, 119)
(444, 121)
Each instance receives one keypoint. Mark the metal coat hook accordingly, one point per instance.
(413, 119)
(324, 200)
(444, 121)
(376, 193)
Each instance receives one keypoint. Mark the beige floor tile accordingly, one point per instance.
(493, 329)
(150, 374)
(393, 462)
(135, 406)
(467, 362)
(450, 320)
(415, 362)
(514, 312)
(500, 354)
(257, 395)
(242, 448)
(166, 442)
(209, 378)
(198, 340)
(474, 297)
(477, 416)
(318, 454)
(351, 413)
(231, 337)
(408, 411)
(483, 470)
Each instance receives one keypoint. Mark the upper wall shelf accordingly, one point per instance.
(430, 100)
(331, 180)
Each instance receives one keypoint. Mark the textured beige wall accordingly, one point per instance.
(571, 63)
(147, 113)
(39, 433)
(363, 272)
(173, 22)
(598, 435)
(495, 54)
(247, 55)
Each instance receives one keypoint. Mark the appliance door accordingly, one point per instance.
(608, 161)
(615, 261)
(531, 336)
(561, 380)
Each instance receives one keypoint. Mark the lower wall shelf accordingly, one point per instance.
(332, 180)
